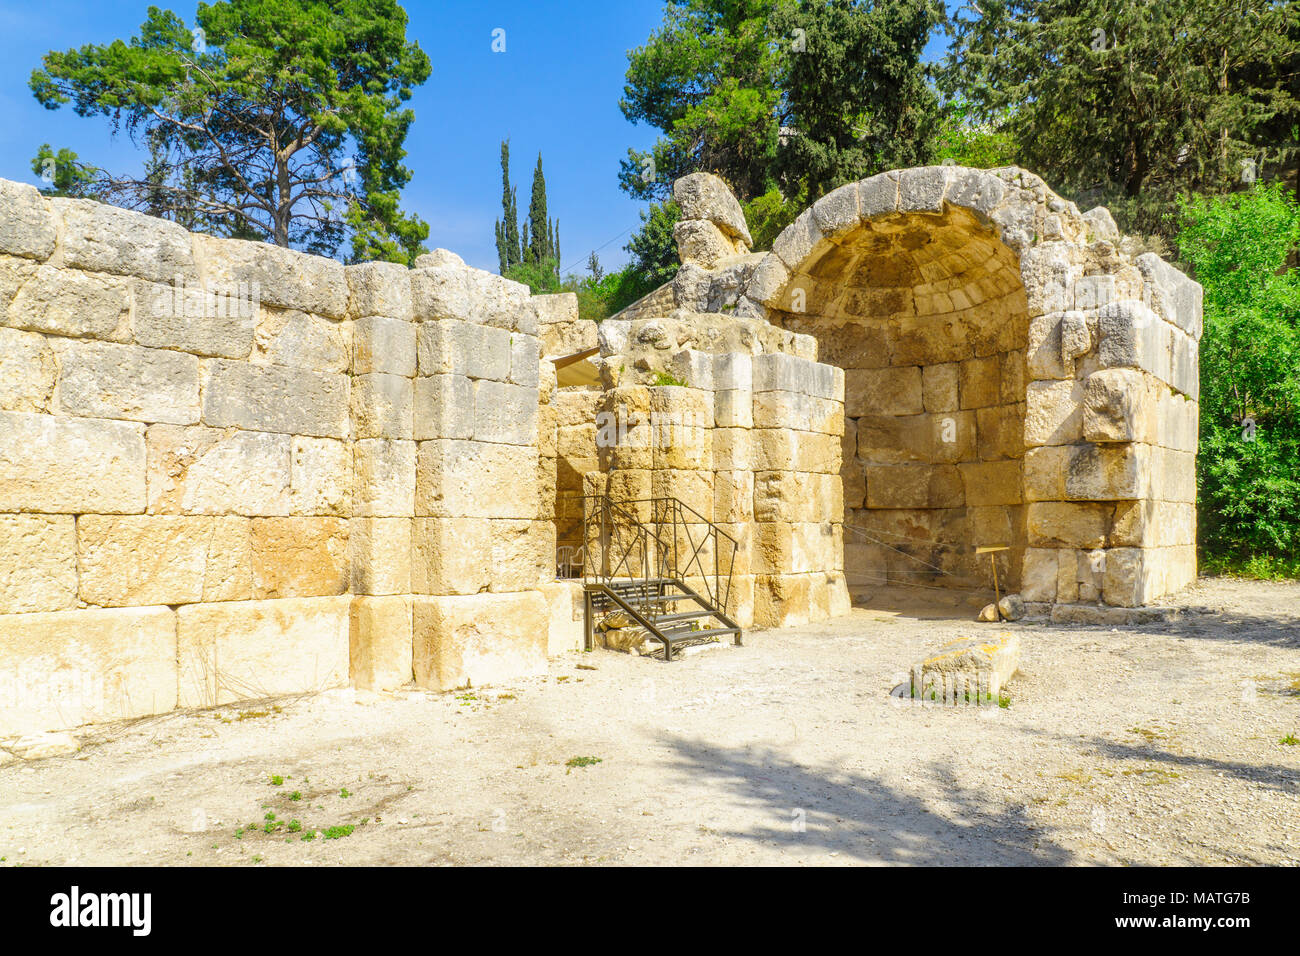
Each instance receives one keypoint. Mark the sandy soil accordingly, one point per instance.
(1154, 744)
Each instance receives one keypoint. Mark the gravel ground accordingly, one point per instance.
(1158, 744)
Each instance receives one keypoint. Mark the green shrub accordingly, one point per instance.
(1249, 458)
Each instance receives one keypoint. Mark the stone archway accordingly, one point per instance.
(1014, 376)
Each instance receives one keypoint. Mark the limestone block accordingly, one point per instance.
(99, 380)
(1054, 524)
(1118, 406)
(475, 479)
(782, 600)
(914, 486)
(1053, 412)
(451, 555)
(769, 281)
(733, 448)
(1045, 355)
(1108, 472)
(300, 340)
(242, 650)
(1133, 336)
(800, 242)
(1001, 431)
(438, 258)
(71, 303)
(282, 277)
(300, 557)
(27, 371)
(991, 482)
(200, 470)
(210, 322)
(478, 351)
(883, 391)
(473, 640)
(1011, 372)
(1173, 474)
(693, 488)
(732, 408)
(385, 478)
(980, 382)
(1039, 578)
(67, 668)
(381, 555)
(939, 387)
(163, 559)
(705, 196)
(521, 554)
(922, 189)
(1154, 524)
(525, 360)
(779, 372)
(975, 190)
(701, 242)
(505, 414)
(70, 465)
(1127, 579)
(1173, 296)
(380, 642)
(1044, 472)
(26, 227)
(38, 563)
(838, 212)
(788, 450)
(444, 407)
(380, 289)
(565, 632)
(556, 309)
(274, 399)
(733, 496)
(101, 238)
(383, 406)
(1185, 365)
(1101, 225)
(468, 294)
(382, 344)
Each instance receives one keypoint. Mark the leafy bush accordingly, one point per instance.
(1249, 460)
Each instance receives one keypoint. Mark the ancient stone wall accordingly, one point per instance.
(229, 470)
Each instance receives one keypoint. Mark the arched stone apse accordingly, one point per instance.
(1014, 377)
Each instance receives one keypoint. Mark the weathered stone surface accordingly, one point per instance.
(27, 372)
(883, 391)
(273, 399)
(922, 189)
(99, 380)
(381, 643)
(70, 465)
(68, 668)
(380, 289)
(300, 557)
(66, 302)
(1118, 407)
(281, 277)
(475, 479)
(198, 470)
(1054, 524)
(381, 555)
(505, 414)
(473, 640)
(26, 227)
(1053, 412)
(38, 563)
(383, 406)
(705, 196)
(211, 322)
(467, 294)
(982, 665)
(464, 348)
(241, 650)
(381, 344)
(162, 559)
(701, 242)
(102, 238)
(385, 478)
(43, 746)
(297, 339)
(444, 406)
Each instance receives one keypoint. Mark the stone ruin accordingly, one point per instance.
(231, 471)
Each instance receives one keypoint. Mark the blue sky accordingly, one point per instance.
(554, 89)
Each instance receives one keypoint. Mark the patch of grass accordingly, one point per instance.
(296, 795)
(308, 837)
(667, 378)
(338, 833)
(294, 826)
(1259, 567)
(1004, 701)
(466, 699)
(1290, 740)
(582, 762)
(257, 859)
(345, 793)
(277, 780)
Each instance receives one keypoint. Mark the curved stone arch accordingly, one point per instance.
(952, 295)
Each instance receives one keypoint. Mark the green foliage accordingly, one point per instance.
(599, 298)
(509, 247)
(653, 248)
(281, 119)
(667, 378)
(855, 98)
(966, 140)
(541, 277)
(63, 173)
(542, 238)
(1249, 459)
(1133, 102)
(768, 214)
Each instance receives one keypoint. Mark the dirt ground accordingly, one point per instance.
(1158, 744)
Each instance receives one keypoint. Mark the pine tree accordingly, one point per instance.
(542, 236)
(509, 247)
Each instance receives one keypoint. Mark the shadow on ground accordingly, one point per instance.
(861, 817)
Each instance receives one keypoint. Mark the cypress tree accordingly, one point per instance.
(539, 247)
(509, 247)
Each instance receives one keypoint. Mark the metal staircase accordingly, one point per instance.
(657, 564)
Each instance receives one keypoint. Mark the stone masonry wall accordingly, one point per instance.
(229, 470)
